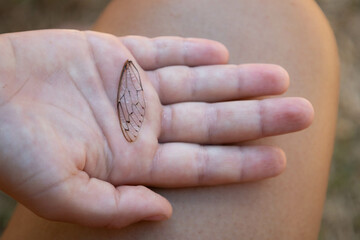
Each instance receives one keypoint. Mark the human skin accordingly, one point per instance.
(293, 34)
(61, 148)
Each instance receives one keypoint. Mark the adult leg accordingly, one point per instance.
(293, 34)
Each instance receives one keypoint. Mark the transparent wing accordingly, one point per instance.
(131, 102)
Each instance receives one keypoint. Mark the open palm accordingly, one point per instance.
(62, 151)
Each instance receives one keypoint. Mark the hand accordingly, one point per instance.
(62, 152)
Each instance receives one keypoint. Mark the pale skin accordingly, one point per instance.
(62, 152)
(291, 33)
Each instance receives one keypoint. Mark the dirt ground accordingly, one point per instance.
(341, 218)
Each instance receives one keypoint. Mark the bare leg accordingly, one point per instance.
(291, 33)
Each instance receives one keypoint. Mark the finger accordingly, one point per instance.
(229, 122)
(212, 165)
(93, 202)
(153, 53)
(218, 83)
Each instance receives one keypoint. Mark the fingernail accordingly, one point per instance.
(155, 218)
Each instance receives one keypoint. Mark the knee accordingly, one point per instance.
(316, 40)
(303, 35)
(296, 35)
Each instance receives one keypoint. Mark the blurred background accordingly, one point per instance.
(341, 218)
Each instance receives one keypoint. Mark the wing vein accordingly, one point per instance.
(131, 102)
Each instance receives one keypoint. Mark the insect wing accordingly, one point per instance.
(131, 102)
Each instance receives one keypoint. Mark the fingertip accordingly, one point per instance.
(278, 162)
(276, 76)
(147, 204)
(206, 52)
(263, 79)
(223, 52)
(165, 210)
(285, 115)
(262, 162)
(301, 112)
(309, 112)
(284, 79)
(274, 161)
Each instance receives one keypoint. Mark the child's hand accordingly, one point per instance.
(63, 154)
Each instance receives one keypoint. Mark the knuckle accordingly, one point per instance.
(202, 160)
(261, 123)
(211, 119)
(191, 79)
(155, 163)
(185, 50)
(167, 122)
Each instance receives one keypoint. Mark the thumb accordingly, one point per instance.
(93, 202)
